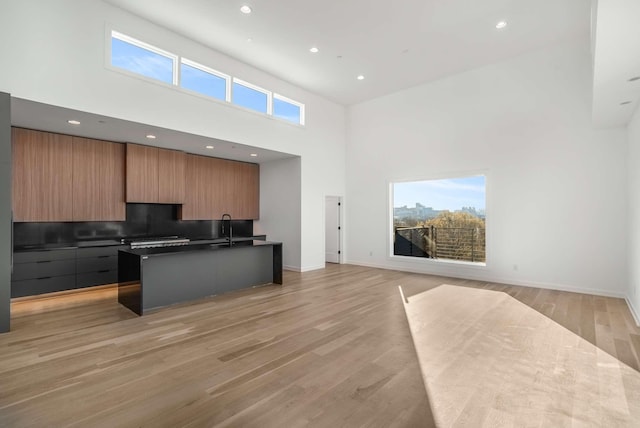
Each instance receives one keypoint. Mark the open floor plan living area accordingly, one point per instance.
(337, 214)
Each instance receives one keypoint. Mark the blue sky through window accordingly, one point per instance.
(202, 82)
(249, 98)
(285, 110)
(141, 61)
(449, 194)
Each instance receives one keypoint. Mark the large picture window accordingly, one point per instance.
(440, 219)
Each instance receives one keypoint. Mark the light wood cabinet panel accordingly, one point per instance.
(218, 186)
(42, 176)
(196, 199)
(248, 182)
(155, 175)
(98, 180)
(171, 176)
(221, 191)
(142, 173)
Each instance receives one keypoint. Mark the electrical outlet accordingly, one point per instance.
(515, 267)
(370, 253)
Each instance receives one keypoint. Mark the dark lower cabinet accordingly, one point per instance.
(39, 272)
(30, 287)
(97, 266)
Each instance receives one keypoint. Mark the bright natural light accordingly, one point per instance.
(440, 219)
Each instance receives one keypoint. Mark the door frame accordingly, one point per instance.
(340, 225)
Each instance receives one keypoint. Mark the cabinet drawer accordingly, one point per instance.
(96, 278)
(95, 264)
(45, 255)
(99, 251)
(43, 269)
(31, 287)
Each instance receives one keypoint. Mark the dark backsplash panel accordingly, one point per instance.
(142, 220)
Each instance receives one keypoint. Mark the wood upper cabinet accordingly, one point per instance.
(218, 186)
(142, 173)
(155, 175)
(247, 202)
(196, 199)
(171, 183)
(42, 176)
(98, 180)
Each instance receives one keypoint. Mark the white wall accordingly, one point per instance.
(280, 193)
(55, 53)
(556, 188)
(633, 295)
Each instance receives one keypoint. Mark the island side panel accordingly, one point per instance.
(179, 277)
(243, 267)
(129, 281)
(277, 264)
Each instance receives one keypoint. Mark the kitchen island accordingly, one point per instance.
(152, 278)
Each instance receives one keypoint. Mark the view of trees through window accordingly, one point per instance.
(440, 219)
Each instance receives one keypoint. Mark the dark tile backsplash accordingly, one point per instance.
(142, 220)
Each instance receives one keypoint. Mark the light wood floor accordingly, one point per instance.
(329, 348)
(491, 361)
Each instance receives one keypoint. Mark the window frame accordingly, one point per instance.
(246, 84)
(279, 97)
(176, 78)
(423, 261)
(208, 70)
(175, 59)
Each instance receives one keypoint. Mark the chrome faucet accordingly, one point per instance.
(230, 235)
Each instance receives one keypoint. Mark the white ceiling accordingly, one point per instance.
(394, 44)
(616, 46)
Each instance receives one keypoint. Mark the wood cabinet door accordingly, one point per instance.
(42, 176)
(248, 182)
(171, 176)
(222, 188)
(142, 173)
(98, 180)
(196, 200)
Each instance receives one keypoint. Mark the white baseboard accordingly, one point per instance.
(633, 311)
(310, 268)
(482, 276)
(292, 268)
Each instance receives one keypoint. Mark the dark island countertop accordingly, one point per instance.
(218, 246)
(117, 241)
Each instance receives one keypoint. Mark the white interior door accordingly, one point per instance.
(332, 229)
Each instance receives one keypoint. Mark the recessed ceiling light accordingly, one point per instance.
(245, 9)
(151, 136)
(500, 25)
(73, 122)
(625, 103)
(361, 77)
(633, 79)
(208, 147)
(314, 50)
(249, 40)
(254, 154)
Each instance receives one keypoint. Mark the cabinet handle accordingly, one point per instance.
(104, 271)
(103, 257)
(44, 277)
(44, 261)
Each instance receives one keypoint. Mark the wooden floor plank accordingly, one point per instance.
(329, 348)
